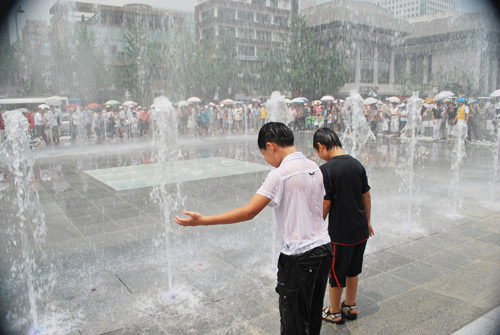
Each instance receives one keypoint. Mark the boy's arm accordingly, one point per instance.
(326, 208)
(367, 203)
(245, 213)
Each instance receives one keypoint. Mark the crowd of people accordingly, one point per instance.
(115, 123)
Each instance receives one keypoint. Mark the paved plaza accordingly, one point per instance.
(110, 265)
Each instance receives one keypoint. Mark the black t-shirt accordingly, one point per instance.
(437, 113)
(345, 182)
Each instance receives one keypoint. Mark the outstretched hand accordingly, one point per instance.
(194, 219)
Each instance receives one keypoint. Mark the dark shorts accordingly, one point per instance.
(347, 262)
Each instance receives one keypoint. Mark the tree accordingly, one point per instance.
(304, 65)
(227, 71)
(273, 71)
(61, 67)
(143, 63)
(187, 61)
(10, 74)
(89, 67)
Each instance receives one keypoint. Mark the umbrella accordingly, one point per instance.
(93, 105)
(328, 98)
(257, 101)
(227, 102)
(112, 103)
(129, 103)
(194, 100)
(370, 101)
(182, 103)
(300, 100)
(443, 95)
(54, 100)
(288, 101)
(44, 106)
(495, 94)
(394, 99)
(72, 106)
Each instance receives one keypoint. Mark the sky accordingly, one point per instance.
(39, 9)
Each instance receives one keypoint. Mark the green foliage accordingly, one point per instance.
(89, 66)
(303, 65)
(199, 70)
(10, 74)
(60, 67)
(34, 64)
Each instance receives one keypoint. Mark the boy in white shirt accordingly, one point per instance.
(295, 190)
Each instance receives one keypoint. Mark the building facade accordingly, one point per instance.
(111, 26)
(254, 24)
(422, 53)
(109, 23)
(414, 8)
(458, 48)
(367, 35)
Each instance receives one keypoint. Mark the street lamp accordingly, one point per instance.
(18, 10)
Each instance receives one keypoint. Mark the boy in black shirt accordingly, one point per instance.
(348, 203)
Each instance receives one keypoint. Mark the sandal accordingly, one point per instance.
(332, 317)
(349, 311)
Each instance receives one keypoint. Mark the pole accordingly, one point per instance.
(18, 10)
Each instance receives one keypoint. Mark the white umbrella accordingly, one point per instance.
(300, 100)
(227, 102)
(370, 101)
(495, 94)
(328, 98)
(44, 106)
(394, 99)
(54, 100)
(182, 103)
(288, 101)
(129, 103)
(194, 100)
(443, 95)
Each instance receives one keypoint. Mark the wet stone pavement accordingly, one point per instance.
(103, 267)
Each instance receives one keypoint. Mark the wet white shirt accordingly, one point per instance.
(296, 191)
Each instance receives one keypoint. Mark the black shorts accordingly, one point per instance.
(347, 262)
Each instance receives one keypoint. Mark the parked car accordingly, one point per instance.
(65, 128)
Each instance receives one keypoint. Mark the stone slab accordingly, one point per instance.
(475, 284)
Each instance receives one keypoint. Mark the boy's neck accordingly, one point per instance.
(285, 151)
(335, 151)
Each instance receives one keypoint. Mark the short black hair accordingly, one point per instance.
(275, 132)
(327, 137)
